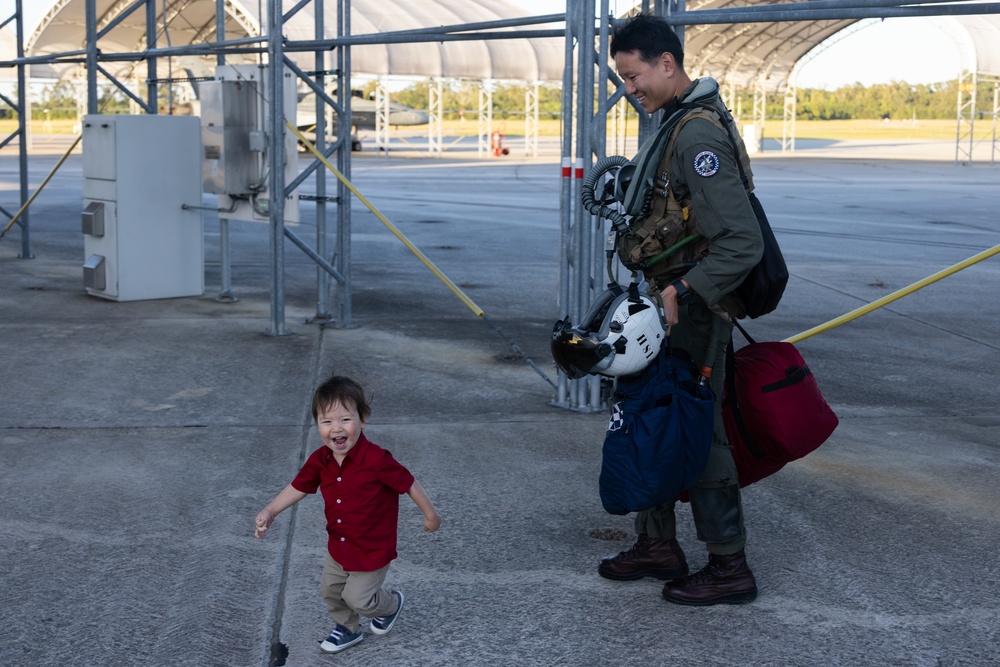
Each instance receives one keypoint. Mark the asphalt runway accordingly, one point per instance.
(138, 440)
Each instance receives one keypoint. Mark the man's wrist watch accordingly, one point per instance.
(684, 294)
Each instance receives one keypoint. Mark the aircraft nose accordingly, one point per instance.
(409, 118)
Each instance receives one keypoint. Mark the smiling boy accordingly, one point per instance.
(361, 484)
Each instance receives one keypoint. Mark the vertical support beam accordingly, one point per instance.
(485, 117)
(672, 7)
(276, 164)
(788, 119)
(435, 105)
(966, 117)
(621, 128)
(996, 114)
(152, 89)
(225, 261)
(587, 390)
(600, 122)
(342, 258)
(23, 122)
(566, 204)
(322, 315)
(531, 119)
(90, 29)
(730, 93)
(618, 116)
(759, 115)
(220, 29)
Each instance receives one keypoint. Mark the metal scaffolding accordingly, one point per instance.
(587, 99)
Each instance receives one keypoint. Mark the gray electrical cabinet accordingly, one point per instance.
(140, 240)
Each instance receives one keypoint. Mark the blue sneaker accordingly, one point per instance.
(341, 638)
(382, 624)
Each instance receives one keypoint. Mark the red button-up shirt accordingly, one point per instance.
(362, 502)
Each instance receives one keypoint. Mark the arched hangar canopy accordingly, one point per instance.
(62, 29)
(984, 41)
(741, 54)
(745, 54)
(520, 59)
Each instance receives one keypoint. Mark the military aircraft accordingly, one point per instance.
(363, 112)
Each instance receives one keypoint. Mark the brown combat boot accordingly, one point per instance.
(648, 557)
(726, 579)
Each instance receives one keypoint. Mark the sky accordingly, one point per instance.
(891, 50)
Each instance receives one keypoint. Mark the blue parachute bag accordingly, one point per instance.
(658, 436)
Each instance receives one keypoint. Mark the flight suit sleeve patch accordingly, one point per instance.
(706, 163)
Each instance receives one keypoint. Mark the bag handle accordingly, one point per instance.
(743, 331)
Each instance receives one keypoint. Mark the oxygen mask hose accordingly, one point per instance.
(590, 203)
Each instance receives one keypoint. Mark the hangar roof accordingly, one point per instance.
(740, 53)
(62, 29)
(732, 53)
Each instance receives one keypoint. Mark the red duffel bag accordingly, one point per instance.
(772, 408)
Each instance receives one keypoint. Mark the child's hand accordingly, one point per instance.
(432, 523)
(262, 523)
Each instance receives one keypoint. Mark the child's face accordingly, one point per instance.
(340, 427)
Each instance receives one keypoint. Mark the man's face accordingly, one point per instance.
(653, 86)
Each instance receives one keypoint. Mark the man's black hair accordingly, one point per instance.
(649, 36)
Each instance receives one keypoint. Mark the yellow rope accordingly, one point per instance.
(874, 305)
(392, 228)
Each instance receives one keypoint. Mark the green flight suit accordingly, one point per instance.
(704, 174)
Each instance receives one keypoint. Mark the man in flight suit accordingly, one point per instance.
(703, 173)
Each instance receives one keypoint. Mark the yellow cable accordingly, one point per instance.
(874, 305)
(41, 187)
(430, 265)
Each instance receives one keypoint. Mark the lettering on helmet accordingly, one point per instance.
(647, 349)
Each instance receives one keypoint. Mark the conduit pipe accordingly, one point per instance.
(40, 187)
(899, 294)
(392, 228)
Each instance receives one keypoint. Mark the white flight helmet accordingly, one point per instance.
(620, 335)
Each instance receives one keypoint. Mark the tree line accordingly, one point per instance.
(899, 100)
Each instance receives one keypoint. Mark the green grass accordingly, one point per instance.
(905, 130)
(928, 130)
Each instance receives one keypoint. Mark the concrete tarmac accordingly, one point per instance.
(138, 440)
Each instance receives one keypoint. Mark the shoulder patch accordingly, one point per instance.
(706, 163)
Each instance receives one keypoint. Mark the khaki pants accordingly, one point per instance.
(715, 499)
(349, 595)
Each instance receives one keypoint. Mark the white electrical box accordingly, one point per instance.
(139, 172)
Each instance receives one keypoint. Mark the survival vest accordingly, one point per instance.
(663, 240)
(659, 234)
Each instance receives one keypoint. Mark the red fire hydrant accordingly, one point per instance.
(496, 143)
